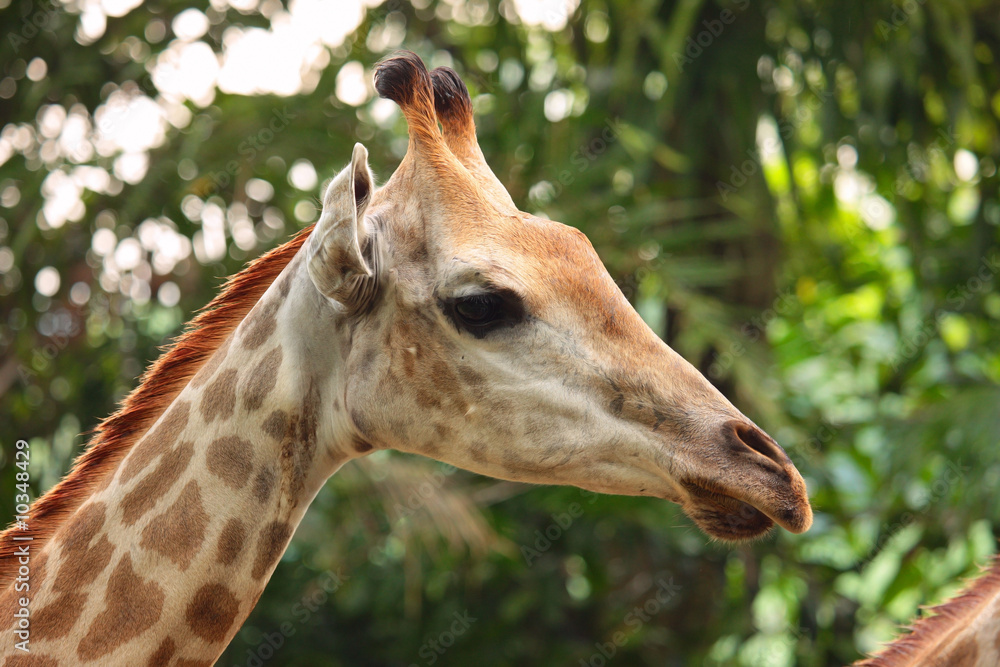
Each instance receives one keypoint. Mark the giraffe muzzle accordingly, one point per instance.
(750, 486)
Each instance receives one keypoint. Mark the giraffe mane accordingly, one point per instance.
(113, 438)
(945, 617)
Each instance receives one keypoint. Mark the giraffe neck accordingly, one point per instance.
(964, 631)
(166, 559)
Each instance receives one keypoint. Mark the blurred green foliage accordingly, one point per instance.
(802, 198)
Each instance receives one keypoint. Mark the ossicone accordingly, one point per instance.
(451, 98)
(403, 78)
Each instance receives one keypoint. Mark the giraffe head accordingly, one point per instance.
(497, 341)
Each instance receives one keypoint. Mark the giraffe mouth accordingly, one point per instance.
(724, 517)
(757, 488)
(729, 518)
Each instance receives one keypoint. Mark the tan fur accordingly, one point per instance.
(947, 636)
(454, 110)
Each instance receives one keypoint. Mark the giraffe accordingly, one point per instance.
(429, 316)
(962, 632)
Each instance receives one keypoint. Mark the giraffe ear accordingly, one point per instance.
(336, 263)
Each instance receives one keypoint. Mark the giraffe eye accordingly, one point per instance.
(478, 310)
(480, 314)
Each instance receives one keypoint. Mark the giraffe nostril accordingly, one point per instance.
(757, 440)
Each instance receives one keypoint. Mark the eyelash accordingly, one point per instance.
(479, 314)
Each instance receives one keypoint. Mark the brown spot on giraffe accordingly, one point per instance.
(276, 424)
(477, 449)
(154, 486)
(964, 654)
(164, 652)
(432, 448)
(263, 484)
(364, 367)
(58, 617)
(309, 422)
(442, 431)
(229, 459)
(157, 441)
(30, 660)
(8, 605)
(428, 390)
(262, 380)
(212, 365)
(273, 540)
(179, 532)
(81, 563)
(259, 324)
(299, 444)
(444, 379)
(9, 597)
(231, 540)
(132, 606)
(472, 377)
(292, 472)
(39, 569)
(285, 282)
(219, 398)
(188, 662)
(211, 612)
